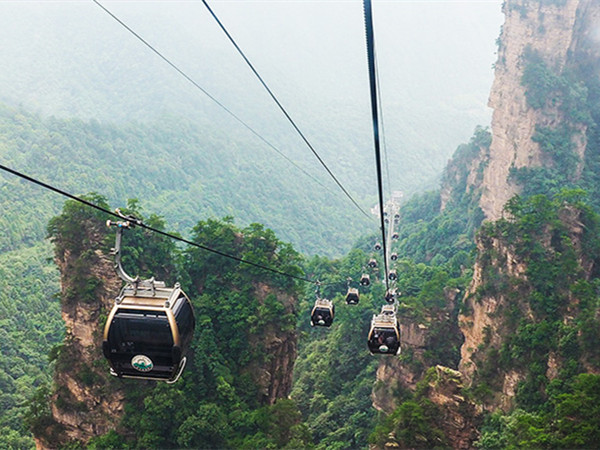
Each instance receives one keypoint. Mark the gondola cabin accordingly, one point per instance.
(377, 246)
(372, 263)
(395, 236)
(322, 313)
(393, 275)
(394, 256)
(390, 295)
(384, 335)
(365, 279)
(148, 332)
(352, 297)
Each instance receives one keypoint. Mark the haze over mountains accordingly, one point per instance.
(71, 59)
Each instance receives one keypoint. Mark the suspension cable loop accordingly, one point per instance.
(116, 251)
(370, 35)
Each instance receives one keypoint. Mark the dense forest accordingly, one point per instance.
(104, 116)
(499, 318)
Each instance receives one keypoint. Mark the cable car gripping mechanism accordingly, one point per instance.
(130, 222)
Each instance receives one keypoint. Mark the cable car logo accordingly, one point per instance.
(142, 363)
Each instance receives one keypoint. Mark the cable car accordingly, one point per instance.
(396, 216)
(395, 235)
(150, 328)
(378, 246)
(390, 295)
(393, 275)
(394, 256)
(365, 279)
(148, 332)
(322, 313)
(384, 335)
(372, 263)
(352, 297)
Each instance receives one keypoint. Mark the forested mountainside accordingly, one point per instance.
(497, 275)
(528, 321)
(173, 167)
(243, 351)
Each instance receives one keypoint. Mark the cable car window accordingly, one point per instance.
(185, 319)
(141, 333)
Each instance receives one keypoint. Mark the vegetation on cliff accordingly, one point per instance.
(223, 399)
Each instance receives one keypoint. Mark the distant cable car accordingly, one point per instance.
(352, 297)
(393, 275)
(394, 256)
(384, 335)
(372, 263)
(396, 216)
(322, 313)
(395, 235)
(150, 328)
(365, 279)
(377, 246)
(390, 295)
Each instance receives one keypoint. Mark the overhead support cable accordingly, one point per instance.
(154, 230)
(283, 110)
(375, 114)
(383, 140)
(210, 96)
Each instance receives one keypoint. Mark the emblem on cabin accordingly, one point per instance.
(142, 363)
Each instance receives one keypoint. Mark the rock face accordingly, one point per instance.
(557, 31)
(274, 374)
(87, 401)
(403, 373)
(481, 322)
(453, 417)
(503, 303)
(460, 417)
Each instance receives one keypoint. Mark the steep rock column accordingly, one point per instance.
(551, 29)
(274, 372)
(87, 401)
(418, 335)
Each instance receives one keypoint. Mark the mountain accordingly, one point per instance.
(526, 322)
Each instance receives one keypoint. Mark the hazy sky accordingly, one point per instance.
(434, 57)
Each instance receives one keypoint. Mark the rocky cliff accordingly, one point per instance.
(529, 316)
(244, 345)
(274, 372)
(556, 32)
(531, 307)
(87, 401)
